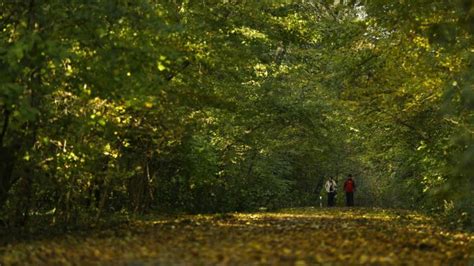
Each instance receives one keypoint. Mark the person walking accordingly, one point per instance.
(330, 187)
(349, 188)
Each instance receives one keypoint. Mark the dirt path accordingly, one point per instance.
(291, 237)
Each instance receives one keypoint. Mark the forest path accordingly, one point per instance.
(302, 236)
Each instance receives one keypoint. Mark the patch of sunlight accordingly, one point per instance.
(422, 42)
(234, 225)
(284, 216)
(356, 213)
(418, 218)
(250, 33)
(260, 70)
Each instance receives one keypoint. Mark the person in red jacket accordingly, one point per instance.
(349, 188)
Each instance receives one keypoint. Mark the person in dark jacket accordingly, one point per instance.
(349, 188)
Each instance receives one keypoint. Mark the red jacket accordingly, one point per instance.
(349, 185)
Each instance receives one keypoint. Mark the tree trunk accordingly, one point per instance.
(7, 164)
(140, 190)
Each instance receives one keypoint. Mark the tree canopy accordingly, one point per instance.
(223, 105)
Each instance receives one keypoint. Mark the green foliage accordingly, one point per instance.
(218, 106)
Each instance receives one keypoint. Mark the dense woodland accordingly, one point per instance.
(120, 107)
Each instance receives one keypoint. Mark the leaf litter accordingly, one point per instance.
(300, 236)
